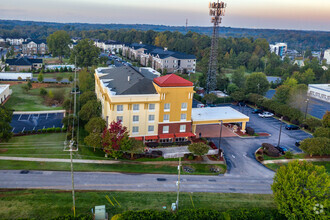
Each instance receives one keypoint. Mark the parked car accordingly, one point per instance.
(256, 111)
(266, 115)
(297, 143)
(291, 127)
(281, 149)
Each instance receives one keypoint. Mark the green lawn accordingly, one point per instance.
(31, 101)
(275, 166)
(64, 75)
(47, 204)
(295, 156)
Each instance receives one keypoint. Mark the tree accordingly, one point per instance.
(282, 94)
(238, 95)
(326, 120)
(91, 109)
(210, 98)
(86, 53)
(58, 43)
(40, 77)
(86, 81)
(43, 92)
(238, 77)
(257, 83)
(5, 128)
(94, 140)
(95, 125)
(322, 132)
(232, 87)
(115, 139)
(86, 96)
(199, 148)
(299, 188)
(292, 82)
(316, 146)
(70, 78)
(25, 87)
(136, 147)
(313, 123)
(306, 77)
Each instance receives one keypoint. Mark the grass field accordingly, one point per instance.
(64, 75)
(295, 156)
(275, 166)
(31, 101)
(47, 204)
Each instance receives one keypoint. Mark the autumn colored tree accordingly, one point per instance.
(115, 139)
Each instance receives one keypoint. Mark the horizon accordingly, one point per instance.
(255, 14)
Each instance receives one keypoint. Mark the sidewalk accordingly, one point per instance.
(288, 160)
(106, 161)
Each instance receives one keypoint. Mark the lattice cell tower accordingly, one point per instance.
(217, 10)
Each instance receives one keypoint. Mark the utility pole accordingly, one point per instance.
(217, 10)
(186, 24)
(178, 184)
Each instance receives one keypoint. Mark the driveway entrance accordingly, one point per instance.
(213, 131)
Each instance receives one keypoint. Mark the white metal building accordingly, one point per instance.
(15, 76)
(327, 55)
(5, 92)
(319, 91)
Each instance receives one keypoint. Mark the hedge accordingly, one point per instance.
(78, 217)
(204, 214)
(270, 150)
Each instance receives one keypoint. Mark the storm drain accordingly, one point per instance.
(161, 179)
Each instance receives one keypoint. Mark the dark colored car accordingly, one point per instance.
(281, 149)
(256, 111)
(297, 143)
(291, 127)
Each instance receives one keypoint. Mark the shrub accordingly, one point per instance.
(316, 146)
(198, 148)
(212, 145)
(43, 92)
(249, 131)
(270, 150)
(190, 157)
(326, 119)
(295, 122)
(322, 132)
(58, 129)
(44, 130)
(260, 158)
(39, 131)
(288, 155)
(313, 123)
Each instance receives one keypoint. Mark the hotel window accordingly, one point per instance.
(166, 129)
(120, 108)
(167, 107)
(182, 128)
(151, 107)
(120, 118)
(184, 106)
(183, 117)
(151, 118)
(151, 128)
(136, 107)
(166, 118)
(135, 118)
(135, 129)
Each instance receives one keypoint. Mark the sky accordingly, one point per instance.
(274, 14)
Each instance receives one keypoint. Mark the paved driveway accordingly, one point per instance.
(239, 152)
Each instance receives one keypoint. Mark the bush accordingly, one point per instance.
(212, 145)
(39, 131)
(322, 132)
(288, 155)
(49, 130)
(295, 122)
(43, 92)
(190, 157)
(44, 130)
(316, 146)
(198, 148)
(270, 150)
(313, 123)
(78, 217)
(260, 158)
(250, 131)
(58, 129)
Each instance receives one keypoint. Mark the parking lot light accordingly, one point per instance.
(220, 139)
(307, 100)
(279, 136)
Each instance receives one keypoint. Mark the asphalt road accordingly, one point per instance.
(133, 182)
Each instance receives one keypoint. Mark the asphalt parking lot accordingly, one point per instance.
(30, 122)
(239, 152)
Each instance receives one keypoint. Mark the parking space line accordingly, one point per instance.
(34, 128)
(29, 117)
(14, 129)
(46, 116)
(19, 117)
(23, 129)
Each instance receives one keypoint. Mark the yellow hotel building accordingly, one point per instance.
(155, 109)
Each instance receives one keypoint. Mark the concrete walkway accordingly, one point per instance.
(288, 160)
(37, 112)
(105, 161)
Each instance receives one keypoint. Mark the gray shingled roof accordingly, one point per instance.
(23, 61)
(117, 80)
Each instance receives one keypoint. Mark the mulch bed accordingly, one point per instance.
(213, 159)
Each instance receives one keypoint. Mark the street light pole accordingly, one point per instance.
(279, 137)
(220, 139)
(178, 184)
(306, 108)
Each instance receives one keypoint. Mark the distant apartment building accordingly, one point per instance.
(160, 58)
(15, 41)
(279, 49)
(32, 47)
(319, 91)
(5, 92)
(110, 45)
(23, 64)
(327, 56)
